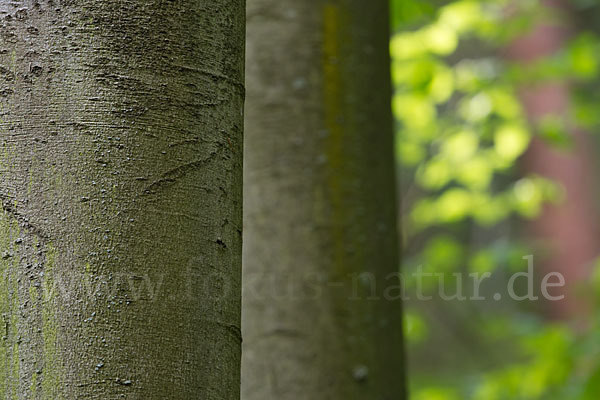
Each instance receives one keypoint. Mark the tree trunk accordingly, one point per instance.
(321, 316)
(569, 229)
(120, 181)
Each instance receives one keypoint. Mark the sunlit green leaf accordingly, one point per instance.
(453, 205)
(488, 210)
(460, 146)
(552, 128)
(461, 15)
(443, 253)
(415, 329)
(510, 141)
(416, 112)
(583, 56)
(504, 102)
(407, 45)
(476, 108)
(436, 394)
(482, 261)
(475, 173)
(409, 152)
(434, 174)
(442, 84)
(440, 39)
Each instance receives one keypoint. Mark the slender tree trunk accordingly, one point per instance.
(321, 315)
(569, 229)
(120, 181)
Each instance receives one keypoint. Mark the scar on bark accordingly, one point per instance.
(171, 176)
(234, 330)
(216, 76)
(12, 211)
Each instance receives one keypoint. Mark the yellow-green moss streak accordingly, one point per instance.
(4, 310)
(15, 305)
(14, 335)
(52, 363)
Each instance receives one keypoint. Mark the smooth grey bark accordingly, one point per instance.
(120, 183)
(321, 312)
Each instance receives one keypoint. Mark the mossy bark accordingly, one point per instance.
(120, 184)
(321, 311)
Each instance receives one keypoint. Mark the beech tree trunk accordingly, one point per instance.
(120, 183)
(321, 314)
(567, 230)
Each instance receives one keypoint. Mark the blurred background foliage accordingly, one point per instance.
(462, 135)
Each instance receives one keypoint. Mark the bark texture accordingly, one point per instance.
(321, 315)
(120, 184)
